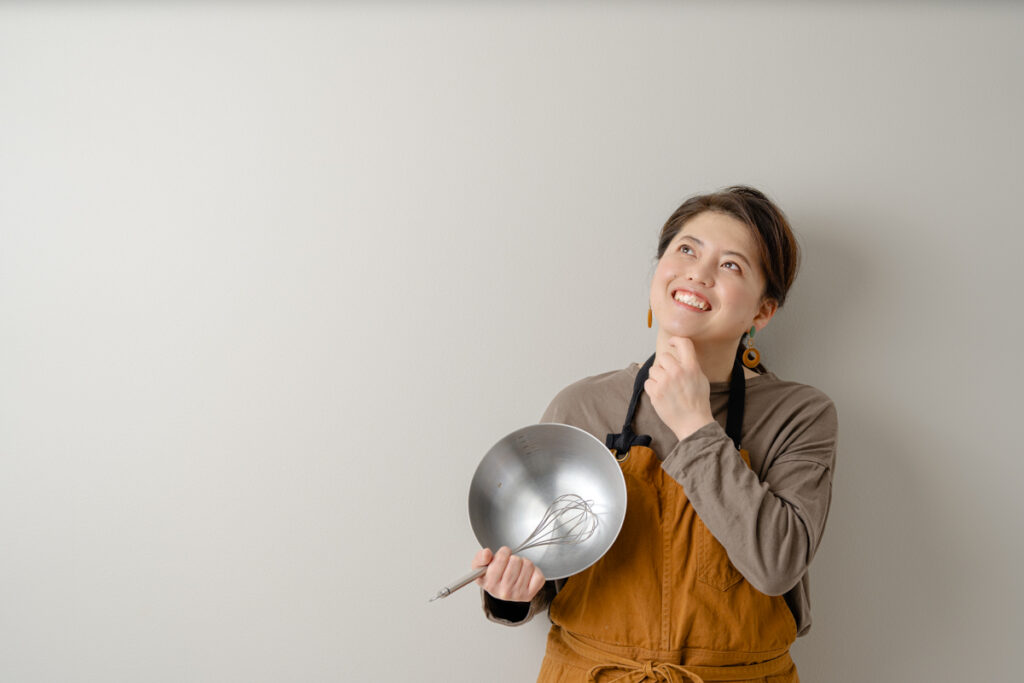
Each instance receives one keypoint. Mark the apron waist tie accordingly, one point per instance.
(633, 671)
(648, 671)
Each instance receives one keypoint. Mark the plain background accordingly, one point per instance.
(274, 277)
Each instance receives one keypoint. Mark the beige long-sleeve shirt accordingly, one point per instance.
(769, 517)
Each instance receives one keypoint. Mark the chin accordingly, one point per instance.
(684, 331)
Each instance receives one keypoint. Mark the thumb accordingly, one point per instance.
(482, 558)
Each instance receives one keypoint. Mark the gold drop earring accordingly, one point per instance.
(751, 356)
(650, 317)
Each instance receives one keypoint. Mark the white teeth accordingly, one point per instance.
(691, 300)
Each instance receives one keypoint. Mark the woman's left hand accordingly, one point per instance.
(679, 390)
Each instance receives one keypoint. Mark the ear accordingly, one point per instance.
(765, 312)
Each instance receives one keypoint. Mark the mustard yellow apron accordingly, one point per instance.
(665, 602)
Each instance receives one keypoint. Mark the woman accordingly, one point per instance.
(728, 473)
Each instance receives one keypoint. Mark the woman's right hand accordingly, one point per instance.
(508, 577)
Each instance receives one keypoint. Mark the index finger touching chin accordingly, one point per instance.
(682, 348)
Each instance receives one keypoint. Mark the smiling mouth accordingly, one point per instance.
(691, 300)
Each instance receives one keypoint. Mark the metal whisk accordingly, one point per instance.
(569, 520)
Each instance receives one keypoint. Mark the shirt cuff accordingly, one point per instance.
(505, 611)
(518, 613)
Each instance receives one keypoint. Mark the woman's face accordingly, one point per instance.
(708, 285)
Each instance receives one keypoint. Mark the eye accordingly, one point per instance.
(685, 248)
(732, 265)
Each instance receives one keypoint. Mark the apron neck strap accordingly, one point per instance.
(737, 399)
(627, 438)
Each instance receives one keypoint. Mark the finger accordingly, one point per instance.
(482, 558)
(657, 376)
(682, 350)
(525, 576)
(496, 568)
(536, 582)
(670, 349)
(512, 572)
(480, 563)
(669, 361)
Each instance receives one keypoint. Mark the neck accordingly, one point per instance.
(716, 361)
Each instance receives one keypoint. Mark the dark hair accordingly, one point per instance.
(779, 251)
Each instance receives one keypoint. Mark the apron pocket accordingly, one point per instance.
(713, 565)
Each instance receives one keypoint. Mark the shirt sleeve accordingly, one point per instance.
(771, 528)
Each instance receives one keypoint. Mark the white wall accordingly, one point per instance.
(273, 278)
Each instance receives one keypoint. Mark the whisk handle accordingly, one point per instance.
(459, 583)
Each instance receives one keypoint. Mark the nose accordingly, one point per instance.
(700, 274)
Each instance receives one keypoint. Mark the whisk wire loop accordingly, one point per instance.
(569, 520)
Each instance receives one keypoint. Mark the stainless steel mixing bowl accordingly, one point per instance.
(525, 471)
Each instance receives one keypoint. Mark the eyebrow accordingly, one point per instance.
(727, 253)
